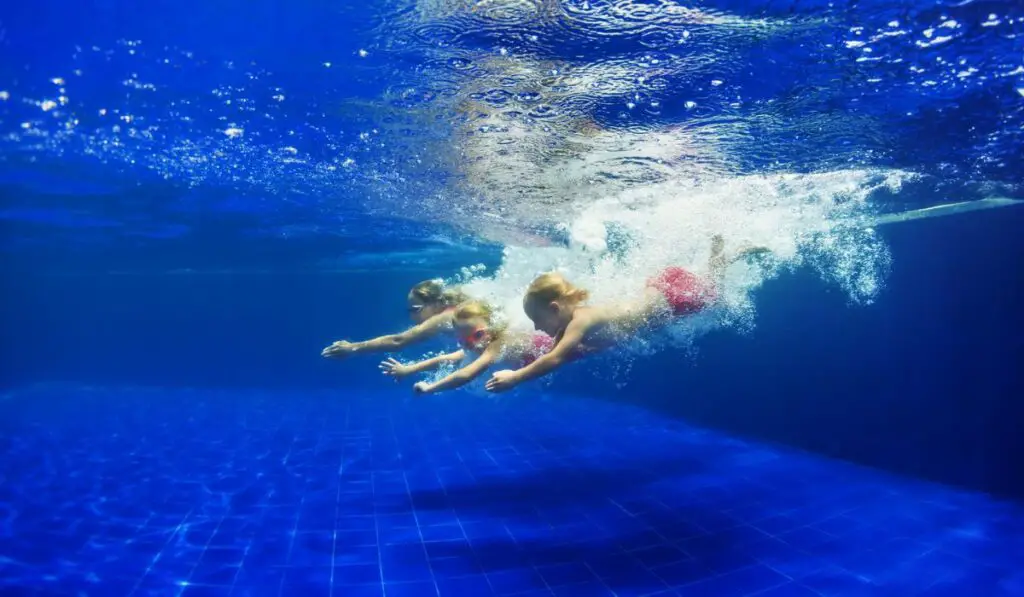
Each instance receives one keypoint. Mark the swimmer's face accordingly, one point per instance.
(550, 318)
(420, 311)
(473, 333)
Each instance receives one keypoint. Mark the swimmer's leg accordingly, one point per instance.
(720, 261)
(717, 263)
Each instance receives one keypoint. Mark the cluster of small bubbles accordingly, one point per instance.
(237, 141)
(809, 219)
(134, 82)
(466, 274)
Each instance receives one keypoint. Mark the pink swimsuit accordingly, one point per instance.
(686, 292)
(540, 344)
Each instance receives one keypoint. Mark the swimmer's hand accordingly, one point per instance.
(339, 350)
(502, 381)
(421, 387)
(394, 369)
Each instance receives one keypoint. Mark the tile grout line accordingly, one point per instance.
(295, 530)
(156, 558)
(206, 547)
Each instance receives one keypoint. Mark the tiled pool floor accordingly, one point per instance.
(194, 492)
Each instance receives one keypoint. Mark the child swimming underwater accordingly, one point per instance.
(431, 306)
(480, 335)
(556, 307)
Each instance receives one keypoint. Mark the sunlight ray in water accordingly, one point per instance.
(630, 131)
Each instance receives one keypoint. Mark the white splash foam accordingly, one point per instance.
(619, 241)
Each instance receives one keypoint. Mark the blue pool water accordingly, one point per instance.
(197, 198)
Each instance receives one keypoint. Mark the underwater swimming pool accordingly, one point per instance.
(196, 199)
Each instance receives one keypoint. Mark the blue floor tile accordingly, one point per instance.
(307, 580)
(214, 574)
(455, 567)
(589, 589)
(205, 591)
(410, 589)
(348, 555)
(239, 493)
(357, 574)
(510, 582)
(443, 532)
(740, 582)
(465, 585)
(787, 590)
(682, 573)
(833, 580)
(566, 574)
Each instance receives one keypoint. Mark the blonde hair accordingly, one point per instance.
(433, 292)
(482, 310)
(471, 309)
(552, 286)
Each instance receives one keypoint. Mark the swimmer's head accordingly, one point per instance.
(550, 301)
(475, 326)
(430, 297)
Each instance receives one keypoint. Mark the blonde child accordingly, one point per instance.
(481, 336)
(431, 306)
(556, 307)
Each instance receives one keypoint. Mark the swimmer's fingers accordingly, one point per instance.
(393, 368)
(341, 348)
(494, 384)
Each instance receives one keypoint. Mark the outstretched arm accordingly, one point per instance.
(464, 375)
(559, 355)
(398, 370)
(428, 328)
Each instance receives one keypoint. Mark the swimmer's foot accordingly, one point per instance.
(753, 251)
(717, 245)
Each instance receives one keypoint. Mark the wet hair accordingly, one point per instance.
(433, 292)
(471, 309)
(479, 309)
(553, 286)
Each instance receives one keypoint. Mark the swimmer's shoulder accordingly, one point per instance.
(445, 319)
(589, 316)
